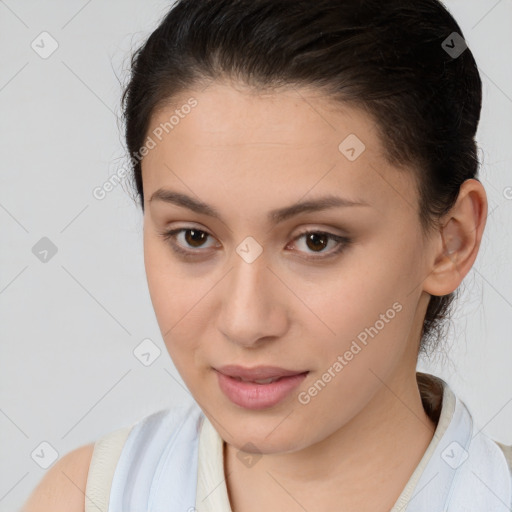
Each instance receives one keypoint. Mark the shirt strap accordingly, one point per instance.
(507, 451)
(107, 451)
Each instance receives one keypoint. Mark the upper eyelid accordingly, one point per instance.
(303, 232)
(341, 240)
(327, 230)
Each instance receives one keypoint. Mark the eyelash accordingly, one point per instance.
(170, 236)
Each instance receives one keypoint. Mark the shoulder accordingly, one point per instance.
(89, 470)
(63, 487)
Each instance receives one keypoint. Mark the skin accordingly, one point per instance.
(246, 153)
(297, 441)
(63, 486)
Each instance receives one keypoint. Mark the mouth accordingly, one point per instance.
(257, 373)
(260, 387)
(259, 381)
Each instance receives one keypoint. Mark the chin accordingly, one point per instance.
(256, 433)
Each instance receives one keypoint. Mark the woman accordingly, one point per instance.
(307, 171)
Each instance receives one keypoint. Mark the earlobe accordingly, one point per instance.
(458, 240)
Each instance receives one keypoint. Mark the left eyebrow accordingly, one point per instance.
(276, 216)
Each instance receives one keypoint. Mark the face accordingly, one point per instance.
(331, 294)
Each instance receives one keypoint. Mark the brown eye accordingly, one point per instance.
(192, 243)
(192, 238)
(196, 238)
(317, 241)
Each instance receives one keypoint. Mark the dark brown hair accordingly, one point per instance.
(399, 60)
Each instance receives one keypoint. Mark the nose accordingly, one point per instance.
(253, 310)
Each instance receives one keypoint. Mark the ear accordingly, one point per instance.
(457, 242)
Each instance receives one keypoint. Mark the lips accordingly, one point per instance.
(260, 387)
(258, 373)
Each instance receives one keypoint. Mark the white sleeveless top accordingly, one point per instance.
(172, 461)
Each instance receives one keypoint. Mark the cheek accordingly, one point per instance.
(365, 332)
(175, 299)
(162, 284)
(370, 341)
(353, 298)
(169, 289)
(366, 312)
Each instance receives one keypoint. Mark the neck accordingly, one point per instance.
(378, 450)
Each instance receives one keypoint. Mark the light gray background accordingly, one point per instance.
(69, 326)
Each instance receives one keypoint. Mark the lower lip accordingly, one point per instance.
(252, 395)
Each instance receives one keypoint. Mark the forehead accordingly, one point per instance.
(228, 115)
(293, 141)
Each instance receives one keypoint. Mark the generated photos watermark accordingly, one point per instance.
(357, 345)
(101, 191)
